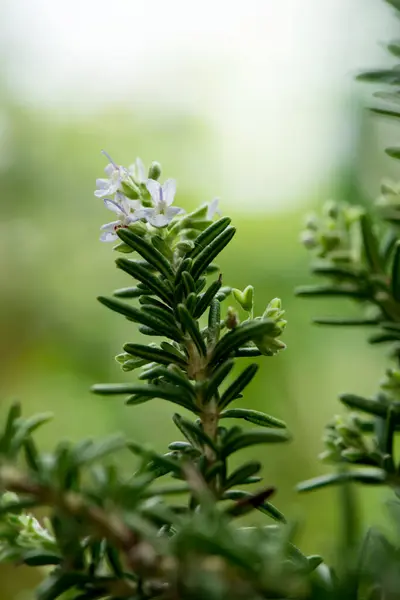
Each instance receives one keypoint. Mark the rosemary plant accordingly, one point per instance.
(114, 535)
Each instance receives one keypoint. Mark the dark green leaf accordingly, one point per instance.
(147, 251)
(129, 292)
(253, 416)
(14, 414)
(139, 316)
(247, 352)
(393, 152)
(214, 318)
(372, 407)
(252, 437)
(192, 328)
(367, 476)
(210, 251)
(205, 300)
(164, 356)
(390, 76)
(240, 475)
(396, 273)
(173, 375)
(344, 321)
(26, 427)
(371, 246)
(217, 377)
(329, 290)
(241, 335)
(209, 234)
(238, 385)
(188, 283)
(386, 113)
(194, 433)
(40, 558)
(249, 502)
(152, 282)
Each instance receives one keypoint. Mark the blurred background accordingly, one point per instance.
(253, 102)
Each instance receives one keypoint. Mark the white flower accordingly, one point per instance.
(162, 196)
(137, 171)
(213, 209)
(116, 175)
(128, 212)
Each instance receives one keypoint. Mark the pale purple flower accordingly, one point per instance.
(162, 196)
(137, 171)
(128, 212)
(213, 209)
(116, 175)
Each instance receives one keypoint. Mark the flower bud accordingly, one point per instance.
(155, 170)
(232, 318)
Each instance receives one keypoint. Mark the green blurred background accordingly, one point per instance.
(255, 104)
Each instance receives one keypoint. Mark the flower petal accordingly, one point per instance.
(169, 191)
(154, 188)
(172, 211)
(109, 169)
(140, 170)
(158, 219)
(108, 237)
(111, 205)
(213, 209)
(110, 226)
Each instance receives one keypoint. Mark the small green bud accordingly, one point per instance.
(353, 454)
(312, 222)
(130, 190)
(124, 248)
(138, 227)
(245, 298)
(331, 210)
(185, 246)
(155, 170)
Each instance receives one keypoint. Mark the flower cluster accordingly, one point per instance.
(134, 197)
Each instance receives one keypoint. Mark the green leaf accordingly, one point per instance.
(390, 76)
(367, 405)
(173, 375)
(366, 476)
(194, 433)
(129, 292)
(40, 558)
(386, 113)
(214, 319)
(394, 47)
(168, 464)
(371, 245)
(249, 502)
(185, 265)
(26, 427)
(188, 283)
(205, 299)
(240, 475)
(147, 251)
(152, 282)
(396, 273)
(253, 416)
(266, 507)
(348, 322)
(158, 355)
(252, 437)
(31, 454)
(393, 152)
(207, 255)
(216, 378)
(192, 328)
(98, 450)
(330, 290)
(160, 313)
(238, 385)
(14, 414)
(139, 316)
(209, 234)
(241, 335)
(142, 393)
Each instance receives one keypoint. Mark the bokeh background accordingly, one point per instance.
(253, 102)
